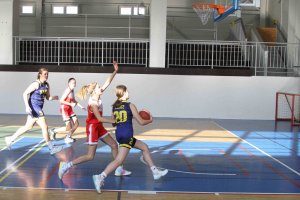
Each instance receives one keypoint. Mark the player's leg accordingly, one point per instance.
(107, 139)
(66, 118)
(99, 178)
(71, 128)
(28, 125)
(65, 166)
(157, 173)
(44, 126)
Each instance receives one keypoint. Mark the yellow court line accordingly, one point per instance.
(22, 162)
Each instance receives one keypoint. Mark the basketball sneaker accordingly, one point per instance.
(52, 134)
(98, 182)
(69, 140)
(55, 149)
(120, 171)
(63, 168)
(8, 142)
(158, 173)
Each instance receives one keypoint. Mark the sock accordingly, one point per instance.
(153, 168)
(70, 164)
(69, 134)
(50, 145)
(12, 138)
(103, 175)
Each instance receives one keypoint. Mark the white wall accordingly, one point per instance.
(6, 31)
(165, 95)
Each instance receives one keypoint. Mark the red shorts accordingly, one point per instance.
(66, 112)
(94, 132)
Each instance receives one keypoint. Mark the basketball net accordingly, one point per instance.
(204, 12)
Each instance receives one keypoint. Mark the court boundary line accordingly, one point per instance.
(19, 159)
(186, 172)
(170, 192)
(263, 152)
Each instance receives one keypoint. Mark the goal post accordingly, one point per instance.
(288, 107)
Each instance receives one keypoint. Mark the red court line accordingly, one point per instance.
(45, 180)
(235, 163)
(268, 165)
(190, 166)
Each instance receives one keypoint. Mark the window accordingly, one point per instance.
(125, 10)
(72, 10)
(27, 9)
(58, 10)
(132, 10)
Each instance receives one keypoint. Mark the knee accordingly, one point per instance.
(146, 149)
(114, 146)
(89, 157)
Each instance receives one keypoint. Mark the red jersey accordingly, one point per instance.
(91, 118)
(70, 98)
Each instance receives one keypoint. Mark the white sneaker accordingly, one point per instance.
(159, 173)
(120, 171)
(8, 142)
(63, 168)
(98, 182)
(52, 134)
(55, 149)
(69, 140)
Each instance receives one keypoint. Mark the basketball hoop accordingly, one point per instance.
(205, 10)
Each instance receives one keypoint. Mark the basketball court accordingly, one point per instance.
(202, 155)
(214, 158)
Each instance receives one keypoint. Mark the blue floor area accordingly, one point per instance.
(264, 160)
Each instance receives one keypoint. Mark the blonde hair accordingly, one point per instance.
(41, 70)
(119, 91)
(86, 90)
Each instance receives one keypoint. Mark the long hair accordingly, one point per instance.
(119, 91)
(86, 90)
(41, 70)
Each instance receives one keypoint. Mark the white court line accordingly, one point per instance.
(12, 143)
(286, 166)
(186, 172)
(12, 164)
(202, 173)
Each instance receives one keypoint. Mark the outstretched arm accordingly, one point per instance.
(138, 118)
(111, 77)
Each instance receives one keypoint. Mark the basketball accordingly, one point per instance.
(145, 114)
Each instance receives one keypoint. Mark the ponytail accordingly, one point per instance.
(86, 90)
(82, 93)
(117, 103)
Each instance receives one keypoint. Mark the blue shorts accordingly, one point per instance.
(36, 111)
(127, 142)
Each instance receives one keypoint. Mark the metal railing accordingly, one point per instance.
(263, 58)
(81, 51)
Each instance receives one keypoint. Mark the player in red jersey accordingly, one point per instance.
(94, 126)
(67, 103)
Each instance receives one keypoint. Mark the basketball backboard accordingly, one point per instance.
(230, 7)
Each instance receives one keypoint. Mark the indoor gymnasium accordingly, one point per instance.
(150, 99)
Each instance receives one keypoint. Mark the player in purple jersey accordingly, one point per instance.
(123, 113)
(33, 98)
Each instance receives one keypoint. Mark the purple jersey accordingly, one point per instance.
(123, 117)
(36, 99)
